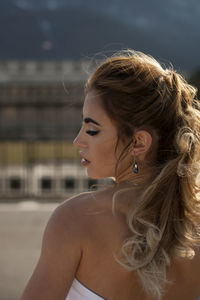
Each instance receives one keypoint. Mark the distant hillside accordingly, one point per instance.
(73, 33)
(76, 29)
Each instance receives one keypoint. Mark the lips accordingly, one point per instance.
(84, 160)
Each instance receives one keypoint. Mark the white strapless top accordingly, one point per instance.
(80, 292)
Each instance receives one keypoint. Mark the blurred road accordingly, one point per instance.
(21, 229)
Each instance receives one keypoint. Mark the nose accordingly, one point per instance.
(79, 142)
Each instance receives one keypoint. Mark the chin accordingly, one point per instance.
(94, 175)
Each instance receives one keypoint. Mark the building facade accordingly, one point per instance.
(40, 114)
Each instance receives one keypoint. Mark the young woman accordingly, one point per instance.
(138, 239)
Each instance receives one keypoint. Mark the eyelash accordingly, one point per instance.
(92, 132)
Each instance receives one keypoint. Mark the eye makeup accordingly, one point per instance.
(92, 132)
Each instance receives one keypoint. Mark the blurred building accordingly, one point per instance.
(40, 114)
(40, 100)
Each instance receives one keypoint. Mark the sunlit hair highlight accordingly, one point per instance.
(137, 91)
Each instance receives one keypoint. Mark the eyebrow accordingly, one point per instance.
(89, 120)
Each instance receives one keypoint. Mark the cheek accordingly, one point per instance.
(103, 160)
(103, 147)
(108, 157)
(107, 150)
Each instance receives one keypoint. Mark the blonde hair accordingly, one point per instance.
(136, 90)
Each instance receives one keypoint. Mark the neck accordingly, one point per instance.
(130, 178)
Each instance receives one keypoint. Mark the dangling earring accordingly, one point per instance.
(135, 166)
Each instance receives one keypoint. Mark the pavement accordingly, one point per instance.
(21, 230)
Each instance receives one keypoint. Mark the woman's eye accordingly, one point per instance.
(92, 132)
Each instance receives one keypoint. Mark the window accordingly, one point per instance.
(92, 183)
(69, 183)
(46, 183)
(15, 183)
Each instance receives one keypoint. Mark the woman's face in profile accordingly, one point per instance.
(97, 139)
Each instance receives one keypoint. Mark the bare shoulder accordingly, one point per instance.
(76, 213)
(71, 215)
(82, 204)
(79, 205)
(82, 213)
(61, 253)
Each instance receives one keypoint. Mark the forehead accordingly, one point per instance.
(93, 108)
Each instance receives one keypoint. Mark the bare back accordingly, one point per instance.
(82, 240)
(99, 270)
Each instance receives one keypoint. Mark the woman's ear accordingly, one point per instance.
(142, 142)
